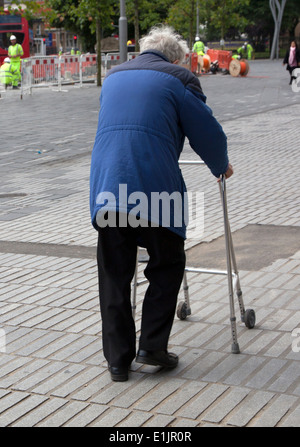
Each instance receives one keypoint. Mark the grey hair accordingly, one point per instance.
(167, 41)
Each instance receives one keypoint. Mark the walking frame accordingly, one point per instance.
(184, 309)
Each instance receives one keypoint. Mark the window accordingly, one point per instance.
(5, 39)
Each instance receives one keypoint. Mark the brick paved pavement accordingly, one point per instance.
(52, 371)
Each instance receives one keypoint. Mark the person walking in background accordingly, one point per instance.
(292, 59)
(15, 51)
(147, 108)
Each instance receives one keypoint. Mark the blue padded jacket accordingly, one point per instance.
(147, 108)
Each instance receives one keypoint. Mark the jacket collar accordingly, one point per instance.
(157, 53)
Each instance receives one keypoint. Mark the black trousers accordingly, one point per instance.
(290, 70)
(116, 256)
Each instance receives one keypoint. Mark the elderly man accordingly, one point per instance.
(15, 51)
(147, 108)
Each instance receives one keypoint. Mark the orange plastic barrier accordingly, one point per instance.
(223, 57)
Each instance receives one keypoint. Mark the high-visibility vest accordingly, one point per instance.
(199, 47)
(250, 50)
(6, 73)
(15, 50)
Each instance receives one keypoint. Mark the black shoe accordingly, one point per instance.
(157, 358)
(15, 87)
(118, 374)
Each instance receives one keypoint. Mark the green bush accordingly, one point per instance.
(266, 54)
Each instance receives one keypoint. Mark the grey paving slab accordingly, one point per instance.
(78, 382)
(249, 408)
(158, 395)
(62, 377)
(112, 417)
(17, 411)
(274, 412)
(159, 421)
(220, 410)
(37, 415)
(135, 419)
(53, 372)
(87, 416)
(66, 413)
(201, 403)
(177, 400)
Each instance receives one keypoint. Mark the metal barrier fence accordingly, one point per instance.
(50, 71)
(44, 70)
(132, 56)
(27, 77)
(2, 90)
(112, 59)
(88, 68)
(70, 68)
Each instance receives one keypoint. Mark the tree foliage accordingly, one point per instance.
(182, 16)
(218, 18)
(27, 8)
(81, 17)
(228, 19)
(226, 14)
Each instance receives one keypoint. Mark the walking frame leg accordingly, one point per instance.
(134, 286)
(186, 294)
(228, 240)
(237, 279)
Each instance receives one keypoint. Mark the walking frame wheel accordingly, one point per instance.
(183, 311)
(249, 318)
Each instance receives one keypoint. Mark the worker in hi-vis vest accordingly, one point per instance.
(15, 51)
(246, 50)
(199, 47)
(250, 50)
(6, 73)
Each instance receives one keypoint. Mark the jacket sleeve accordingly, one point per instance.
(203, 131)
